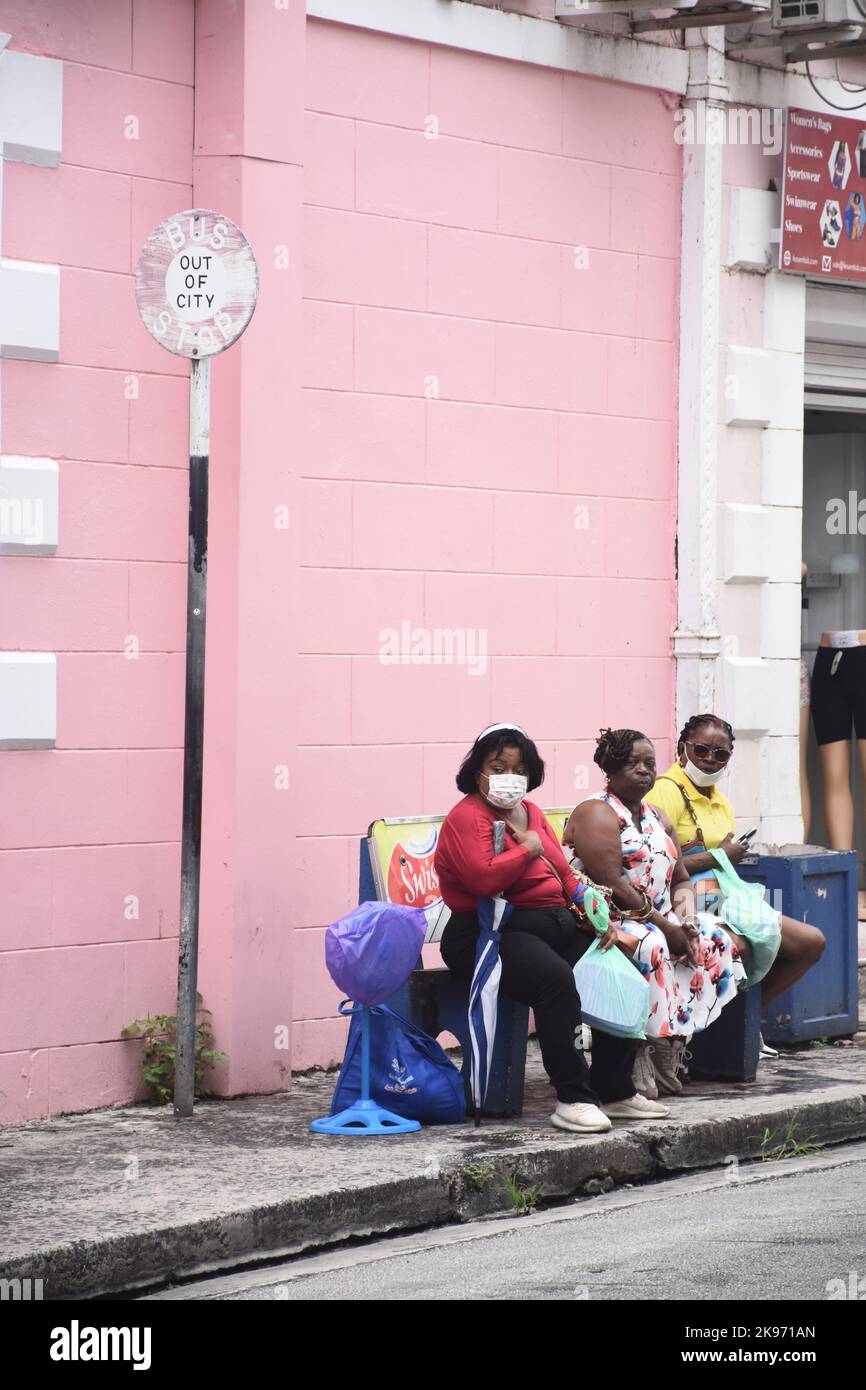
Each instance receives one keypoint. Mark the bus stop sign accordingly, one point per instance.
(196, 283)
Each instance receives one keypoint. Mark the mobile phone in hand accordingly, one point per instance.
(747, 835)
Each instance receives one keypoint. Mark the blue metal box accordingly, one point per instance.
(819, 887)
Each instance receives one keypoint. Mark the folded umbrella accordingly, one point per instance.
(493, 913)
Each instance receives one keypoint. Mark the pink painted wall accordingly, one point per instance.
(487, 445)
(89, 830)
(448, 264)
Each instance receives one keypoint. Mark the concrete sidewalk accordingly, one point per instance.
(130, 1198)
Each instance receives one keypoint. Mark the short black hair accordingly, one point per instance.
(613, 748)
(467, 777)
(692, 725)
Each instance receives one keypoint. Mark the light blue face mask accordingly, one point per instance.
(701, 778)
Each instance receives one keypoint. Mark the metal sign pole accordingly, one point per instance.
(196, 611)
(196, 287)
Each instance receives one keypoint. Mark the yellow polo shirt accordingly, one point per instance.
(714, 812)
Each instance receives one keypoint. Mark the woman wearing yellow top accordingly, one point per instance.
(704, 819)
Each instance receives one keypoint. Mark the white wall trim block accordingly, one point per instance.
(28, 699)
(753, 214)
(782, 468)
(749, 690)
(29, 310)
(786, 404)
(749, 386)
(31, 108)
(29, 505)
(522, 38)
(785, 313)
(783, 544)
(780, 776)
(745, 529)
(780, 621)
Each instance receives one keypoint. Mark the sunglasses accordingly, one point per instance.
(703, 750)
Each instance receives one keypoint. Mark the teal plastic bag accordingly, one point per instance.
(748, 913)
(614, 996)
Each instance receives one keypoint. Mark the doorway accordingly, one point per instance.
(834, 549)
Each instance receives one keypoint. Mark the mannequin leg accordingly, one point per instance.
(805, 795)
(861, 754)
(838, 803)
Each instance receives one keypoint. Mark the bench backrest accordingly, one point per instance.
(399, 867)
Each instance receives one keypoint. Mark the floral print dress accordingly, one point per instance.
(684, 998)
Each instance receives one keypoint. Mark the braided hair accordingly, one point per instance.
(696, 722)
(613, 748)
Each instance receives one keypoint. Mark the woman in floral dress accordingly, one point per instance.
(692, 963)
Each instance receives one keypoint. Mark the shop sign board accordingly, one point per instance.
(824, 196)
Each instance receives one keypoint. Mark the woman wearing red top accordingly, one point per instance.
(542, 940)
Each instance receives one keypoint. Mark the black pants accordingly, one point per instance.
(540, 947)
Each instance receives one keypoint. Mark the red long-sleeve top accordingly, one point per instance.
(468, 868)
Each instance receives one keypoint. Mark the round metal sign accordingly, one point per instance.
(196, 283)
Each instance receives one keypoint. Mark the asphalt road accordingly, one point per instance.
(776, 1231)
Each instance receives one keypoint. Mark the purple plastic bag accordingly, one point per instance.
(374, 949)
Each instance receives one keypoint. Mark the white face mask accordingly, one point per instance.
(700, 778)
(506, 789)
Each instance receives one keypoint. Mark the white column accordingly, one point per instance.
(696, 640)
(762, 533)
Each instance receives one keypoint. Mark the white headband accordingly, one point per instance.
(494, 728)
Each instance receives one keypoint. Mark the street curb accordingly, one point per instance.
(442, 1193)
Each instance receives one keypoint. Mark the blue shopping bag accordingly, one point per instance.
(410, 1074)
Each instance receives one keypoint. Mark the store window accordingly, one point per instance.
(834, 590)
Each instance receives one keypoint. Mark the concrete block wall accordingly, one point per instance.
(96, 106)
(491, 273)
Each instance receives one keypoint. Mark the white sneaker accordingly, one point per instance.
(764, 1049)
(636, 1107)
(581, 1119)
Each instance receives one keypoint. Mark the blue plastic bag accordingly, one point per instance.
(410, 1074)
(373, 950)
(614, 996)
